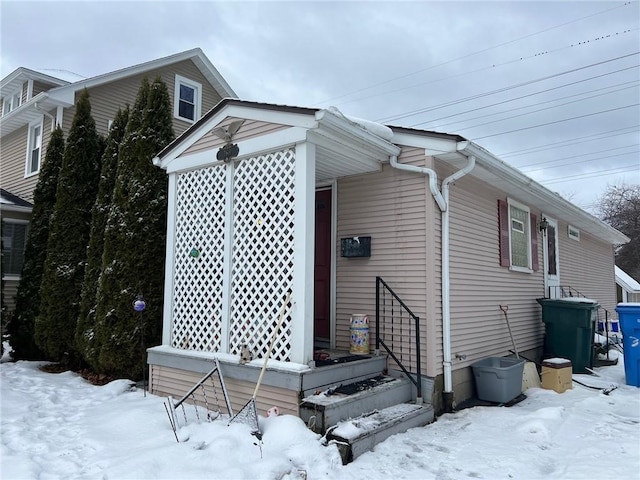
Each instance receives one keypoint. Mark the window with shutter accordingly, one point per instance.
(518, 240)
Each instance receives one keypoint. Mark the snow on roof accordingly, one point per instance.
(378, 129)
(626, 281)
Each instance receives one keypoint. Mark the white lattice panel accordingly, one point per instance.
(262, 258)
(198, 261)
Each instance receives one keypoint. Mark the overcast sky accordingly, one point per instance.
(551, 87)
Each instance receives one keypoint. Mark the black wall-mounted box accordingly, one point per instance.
(355, 247)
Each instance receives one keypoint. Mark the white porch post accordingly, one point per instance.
(167, 317)
(303, 254)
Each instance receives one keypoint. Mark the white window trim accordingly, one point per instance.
(35, 123)
(197, 98)
(9, 100)
(570, 233)
(520, 206)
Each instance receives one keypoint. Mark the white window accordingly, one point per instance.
(14, 240)
(11, 102)
(187, 99)
(574, 233)
(519, 236)
(34, 147)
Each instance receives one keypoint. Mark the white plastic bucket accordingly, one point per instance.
(359, 334)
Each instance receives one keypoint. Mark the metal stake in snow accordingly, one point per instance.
(248, 413)
(139, 305)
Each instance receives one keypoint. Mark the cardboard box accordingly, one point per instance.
(556, 374)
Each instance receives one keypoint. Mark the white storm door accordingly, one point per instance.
(551, 264)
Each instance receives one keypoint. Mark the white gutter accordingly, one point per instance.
(442, 199)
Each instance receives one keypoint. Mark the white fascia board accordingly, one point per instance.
(248, 148)
(341, 127)
(211, 72)
(433, 146)
(64, 91)
(514, 176)
(626, 281)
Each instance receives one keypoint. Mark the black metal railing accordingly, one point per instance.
(398, 331)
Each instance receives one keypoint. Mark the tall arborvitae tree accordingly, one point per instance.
(22, 325)
(69, 237)
(85, 333)
(134, 251)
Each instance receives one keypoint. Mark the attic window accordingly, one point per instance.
(187, 99)
(574, 233)
(11, 102)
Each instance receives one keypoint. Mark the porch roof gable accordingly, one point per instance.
(343, 146)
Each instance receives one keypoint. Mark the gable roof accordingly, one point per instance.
(626, 281)
(15, 79)
(450, 148)
(64, 94)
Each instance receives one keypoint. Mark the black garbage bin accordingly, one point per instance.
(569, 328)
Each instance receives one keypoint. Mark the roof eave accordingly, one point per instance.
(511, 174)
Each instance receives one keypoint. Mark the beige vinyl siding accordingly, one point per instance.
(176, 382)
(389, 206)
(13, 155)
(9, 291)
(107, 99)
(588, 266)
(479, 285)
(23, 93)
(249, 129)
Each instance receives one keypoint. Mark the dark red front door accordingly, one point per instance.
(322, 265)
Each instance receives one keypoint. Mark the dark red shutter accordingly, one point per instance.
(534, 243)
(503, 228)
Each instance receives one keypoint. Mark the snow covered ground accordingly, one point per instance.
(58, 426)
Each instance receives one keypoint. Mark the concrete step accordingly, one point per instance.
(341, 402)
(359, 435)
(323, 378)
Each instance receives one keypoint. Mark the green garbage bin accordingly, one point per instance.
(569, 328)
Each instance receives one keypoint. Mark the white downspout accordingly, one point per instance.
(442, 199)
(446, 297)
(433, 179)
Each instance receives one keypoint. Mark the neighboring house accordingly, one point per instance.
(627, 287)
(16, 213)
(320, 205)
(33, 103)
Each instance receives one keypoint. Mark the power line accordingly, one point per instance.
(472, 54)
(539, 110)
(478, 70)
(528, 106)
(576, 156)
(557, 121)
(568, 142)
(500, 90)
(582, 162)
(582, 176)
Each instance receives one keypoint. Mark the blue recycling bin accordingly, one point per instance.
(629, 316)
